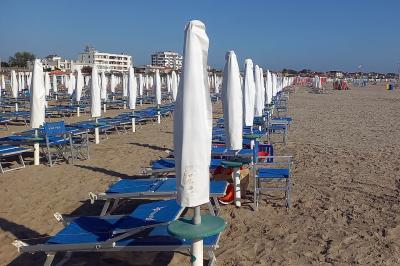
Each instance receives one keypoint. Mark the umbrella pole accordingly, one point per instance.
(104, 108)
(197, 244)
(133, 122)
(124, 104)
(78, 110)
(158, 114)
(16, 107)
(96, 133)
(36, 160)
(236, 178)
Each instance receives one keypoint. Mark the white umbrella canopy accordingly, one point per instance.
(274, 85)
(157, 87)
(19, 82)
(38, 96)
(269, 87)
(103, 86)
(47, 84)
(95, 94)
(249, 93)
(141, 83)
(124, 86)
(113, 83)
(262, 85)
(132, 89)
(168, 84)
(216, 85)
(2, 84)
(79, 85)
(174, 85)
(193, 103)
(258, 105)
(232, 101)
(71, 84)
(55, 83)
(14, 84)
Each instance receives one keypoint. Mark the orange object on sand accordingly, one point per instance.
(229, 196)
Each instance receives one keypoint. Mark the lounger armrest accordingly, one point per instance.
(285, 159)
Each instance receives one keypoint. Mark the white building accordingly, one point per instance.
(104, 61)
(167, 59)
(54, 62)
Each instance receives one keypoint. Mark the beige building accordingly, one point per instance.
(167, 59)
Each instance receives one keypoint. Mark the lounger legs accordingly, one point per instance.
(49, 259)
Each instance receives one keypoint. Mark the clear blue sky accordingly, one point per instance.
(317, 34)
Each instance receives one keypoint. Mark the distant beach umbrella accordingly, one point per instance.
(258, 110)
(274, 85)
(249, 93)
(55, 83)
(174, 85)
(47, 84)
(2, 84)
(168, 84)
(232, 100)
(14, 84)
(71, 84)
(157, 86)
(95, 94)
(132, 89)
(113, 83)
(262, 85)
(124, 86)
(79, 85)
(141, 85)
(103, 86)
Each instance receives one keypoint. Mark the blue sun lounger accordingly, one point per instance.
(150, 188)
(145, 229)
(166, 166)
(7, 151)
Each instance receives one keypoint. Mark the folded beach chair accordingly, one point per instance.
(150, 188)
(145, 229)
(7, 151)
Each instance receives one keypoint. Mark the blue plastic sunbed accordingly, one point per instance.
(145, 229)
(150, 188)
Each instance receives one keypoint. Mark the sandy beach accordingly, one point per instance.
(345, 192)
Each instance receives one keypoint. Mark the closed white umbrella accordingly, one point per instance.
(78, 91)
(55, 84)
(95, 100)
(157, 87)
(29, 80)
(37, 104)
(174, 85)
(249, 93)
(141, 85)
(262, 85)
(132, 94)
(19, 82)
(14, 88)
(258, 111)
(193, 128)
(124, 86)
(168, 84)
(47, 84)
(232, 101)
(103, 92)
(269, 87)
(23, 81)
(113, 84)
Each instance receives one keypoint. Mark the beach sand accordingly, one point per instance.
(345, 192)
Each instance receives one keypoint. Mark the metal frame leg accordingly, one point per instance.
(49, 259)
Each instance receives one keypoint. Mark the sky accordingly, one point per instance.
(314, 34)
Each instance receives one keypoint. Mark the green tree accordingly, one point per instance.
(20, 59)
